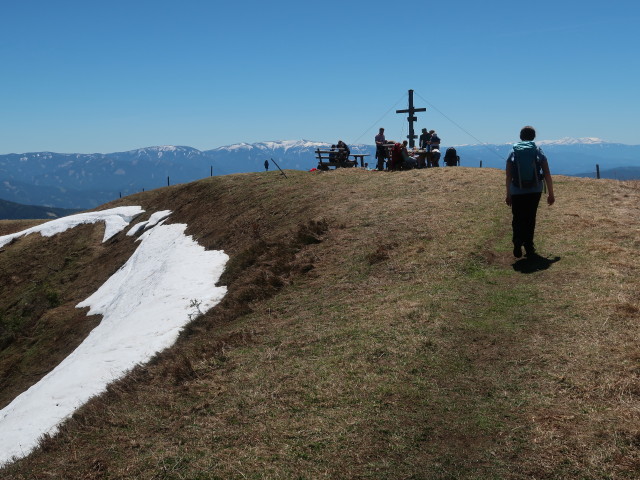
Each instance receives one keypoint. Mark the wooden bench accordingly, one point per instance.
(328, 158)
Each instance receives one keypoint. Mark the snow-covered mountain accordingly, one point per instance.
(245, 157)
(87, 180)
(275, 145)
(573, 141)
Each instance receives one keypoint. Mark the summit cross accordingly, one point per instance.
(411, 118)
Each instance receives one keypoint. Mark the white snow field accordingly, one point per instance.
(144, 305)
(115, 219)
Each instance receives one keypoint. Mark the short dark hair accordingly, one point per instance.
(527, 133)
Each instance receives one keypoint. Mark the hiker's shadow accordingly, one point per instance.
(534, 263)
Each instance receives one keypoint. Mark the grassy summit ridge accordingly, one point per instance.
(376, 326)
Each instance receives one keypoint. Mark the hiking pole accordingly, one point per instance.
(274, 162)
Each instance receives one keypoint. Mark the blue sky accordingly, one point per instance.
(84, 76)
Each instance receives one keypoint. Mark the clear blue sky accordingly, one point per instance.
(88, 76)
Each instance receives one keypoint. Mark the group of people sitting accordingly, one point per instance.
(392, 155)
(427, 155)
(341, 154)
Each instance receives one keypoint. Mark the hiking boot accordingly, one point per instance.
(517, 251)
(530, 250)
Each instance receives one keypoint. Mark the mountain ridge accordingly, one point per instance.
(88, 180)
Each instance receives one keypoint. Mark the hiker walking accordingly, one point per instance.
(527, 169)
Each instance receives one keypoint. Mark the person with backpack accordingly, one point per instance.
(451, 158)
(526, 172)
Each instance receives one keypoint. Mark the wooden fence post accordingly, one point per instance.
(168, 181)
(480, 163)
(597, 171)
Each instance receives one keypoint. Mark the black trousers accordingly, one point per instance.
(524, 208)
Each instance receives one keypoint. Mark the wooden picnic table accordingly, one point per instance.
(330, 158)
(360, 156)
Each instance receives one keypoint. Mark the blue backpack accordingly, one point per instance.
(526, 169)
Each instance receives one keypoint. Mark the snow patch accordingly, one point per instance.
(237, 146)
(152, 222)
(144, 305)
(115, 219)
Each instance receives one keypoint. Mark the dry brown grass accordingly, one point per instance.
(12, 226)
(376, 326)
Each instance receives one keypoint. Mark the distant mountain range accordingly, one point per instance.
(87, 180)
(619, 173)
(13, 211)
(566, 157)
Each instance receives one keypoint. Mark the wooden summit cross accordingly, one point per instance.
(411, 111)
